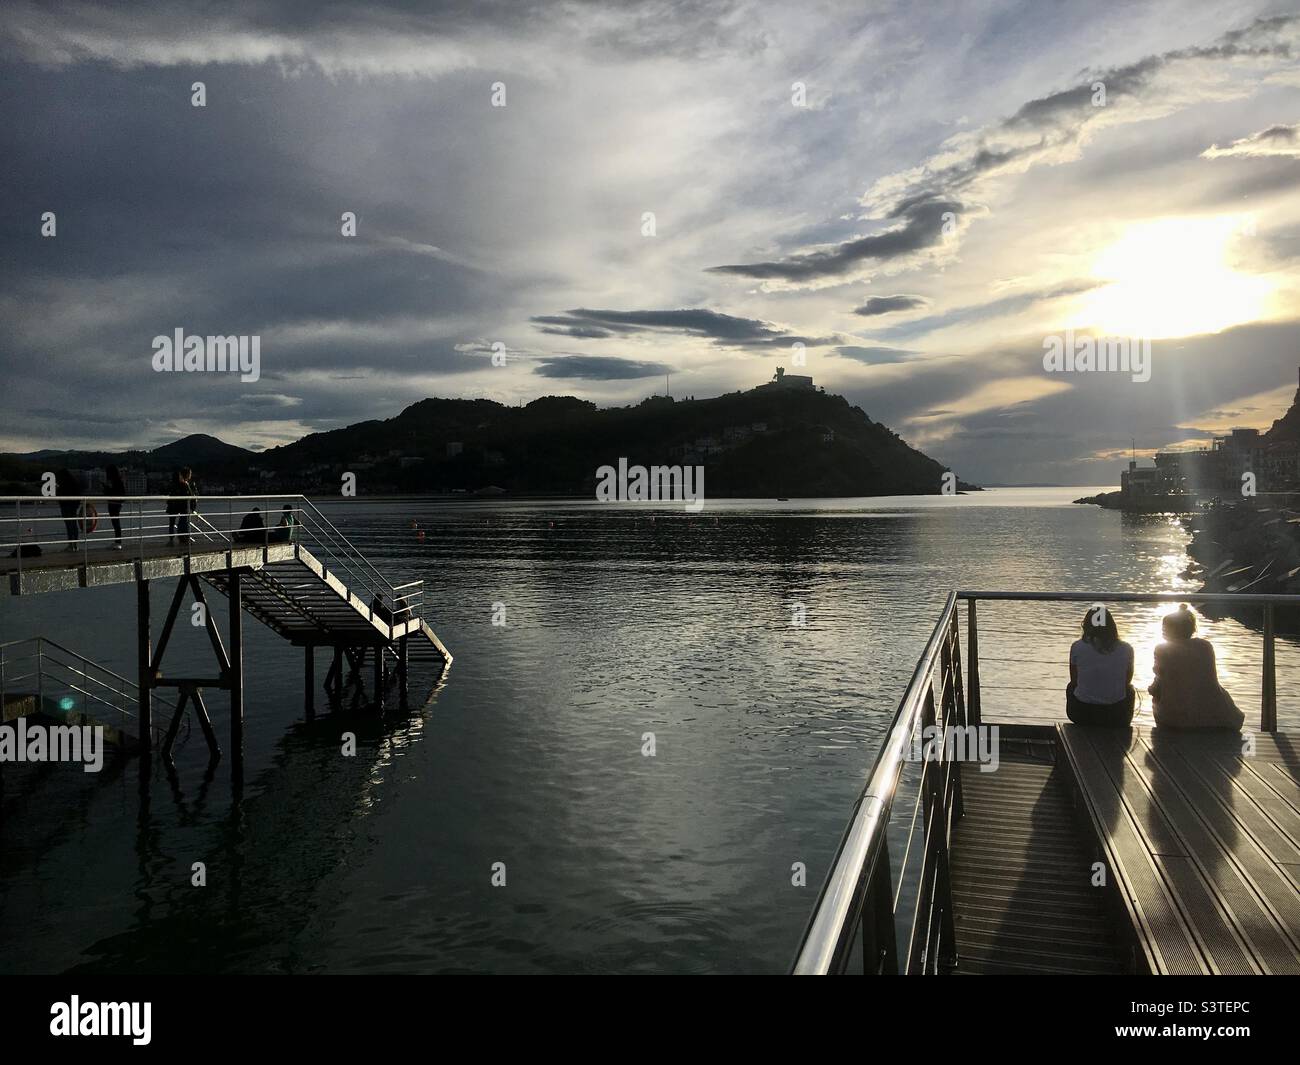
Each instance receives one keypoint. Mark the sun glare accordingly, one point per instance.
(1174, 278)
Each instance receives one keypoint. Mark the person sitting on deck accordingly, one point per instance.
(1186, 692)
(251, 529)
(1101, 674)
(283, 533)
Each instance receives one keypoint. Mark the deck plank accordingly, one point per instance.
(1214, 826)
(1021, 880)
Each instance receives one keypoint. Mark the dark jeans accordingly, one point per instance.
(115, 513)
(69, 512)
(1113, 715)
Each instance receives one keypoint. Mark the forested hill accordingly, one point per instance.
(766, 442)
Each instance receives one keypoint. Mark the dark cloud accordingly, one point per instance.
(726, 330)
(1274, 141)
(878, 305)
(598, 368)
(921, 225)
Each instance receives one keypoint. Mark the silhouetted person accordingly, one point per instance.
(1186, 692)
(67, 483)
(251, 529)
(1101, 674)
(180, 505)
(283, 532)
(116, 487)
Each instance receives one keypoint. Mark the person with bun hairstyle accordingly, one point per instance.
(1186, 693)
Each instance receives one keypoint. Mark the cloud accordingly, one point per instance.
(878, 305)
(1048, 130)
(725, 330)
(874, 356)
(922, 223)
(598, 368)
(1274, 141)
(997, 308)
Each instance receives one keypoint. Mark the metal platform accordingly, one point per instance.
(1023, 899)
(301, 577)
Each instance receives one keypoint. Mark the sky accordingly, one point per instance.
(905, 201)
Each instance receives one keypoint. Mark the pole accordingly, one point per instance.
(236, 677)
(972, 665)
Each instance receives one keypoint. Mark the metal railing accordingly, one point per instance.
(1268, 605)
(46, 670)
(867, 909)
(85, 529)
(858, 900)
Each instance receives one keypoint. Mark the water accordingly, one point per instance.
(620, 621)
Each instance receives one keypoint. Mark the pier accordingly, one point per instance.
(1085, 851)
(302, 578)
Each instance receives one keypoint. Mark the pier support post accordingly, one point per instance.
(309, 681)
(236, 677)
(1268, 696)
(379, 678)
(401, 670)
(144, 665)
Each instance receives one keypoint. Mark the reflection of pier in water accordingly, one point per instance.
(268, 859)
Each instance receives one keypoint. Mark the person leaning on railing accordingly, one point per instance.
(1100, 691)
(1186, 692)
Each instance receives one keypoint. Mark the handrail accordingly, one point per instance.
(1268, 678)
(80, 669)
(828, 940)
(342, 555)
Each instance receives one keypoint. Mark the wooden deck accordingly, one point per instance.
(1201, 843)
(1021, 883)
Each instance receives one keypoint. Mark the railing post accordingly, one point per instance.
(972, 665)
(1268, 696)
(40, 679)
(18, 524)
(879, 941)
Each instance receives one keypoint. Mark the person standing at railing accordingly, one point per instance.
(67, 483)
(116, 487)
(1100, 691)
(1186, 692)
(181, 504)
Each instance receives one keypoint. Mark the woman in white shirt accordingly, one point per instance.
(1101, 674)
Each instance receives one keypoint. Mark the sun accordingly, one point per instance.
(1174, 278)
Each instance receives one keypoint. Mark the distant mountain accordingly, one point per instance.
(199, 449)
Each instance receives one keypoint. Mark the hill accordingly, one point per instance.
(764, 442)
